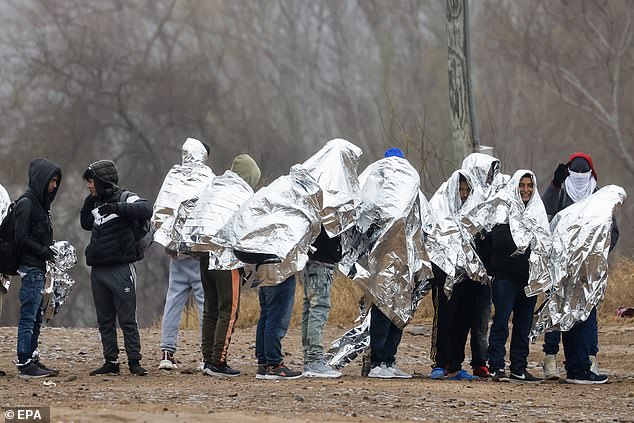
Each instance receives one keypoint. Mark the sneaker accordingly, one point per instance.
(261, 373)
(551, 370)
(381, 372)
(109, 368)
(398, 373)
(30, 370)
(38, 363)
(481, 371)
(587, 378)
(281, 372)
(136, 369)
(320, 368)
(167, 361)
(462, 374)
(499, 376)
(437, 373)
(222, 370)
(3, 373)
(524, 377)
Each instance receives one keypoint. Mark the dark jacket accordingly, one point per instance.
(503, 265)
(33, 226)
(556, 199)
(112, 240)
(328, 250)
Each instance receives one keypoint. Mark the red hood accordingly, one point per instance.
(588, 159)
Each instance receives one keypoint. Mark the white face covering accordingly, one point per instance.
(580, 185)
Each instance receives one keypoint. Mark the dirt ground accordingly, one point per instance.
(185, 395)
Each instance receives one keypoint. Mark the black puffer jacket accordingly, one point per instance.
(112, 240)
(33, 226)
(503, 265)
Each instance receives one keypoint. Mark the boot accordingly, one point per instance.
(551, 371)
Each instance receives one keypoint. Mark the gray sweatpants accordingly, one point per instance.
(114, 293)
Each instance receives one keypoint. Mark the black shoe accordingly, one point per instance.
(3, 373)
(587, 378)
(109, 368)
(136, 369)
(261, 373)
(223, 370)
(30, 370)
(524, 377)
(281, 372)
(499, 376)
(38, 363)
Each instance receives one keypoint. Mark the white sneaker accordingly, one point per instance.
(319, 368)
(381, 372)
(398, 373)
(167, 361)
(551, 371)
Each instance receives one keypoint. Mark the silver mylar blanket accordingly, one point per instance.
(334, 167)
(182, 183)
(450, 245)
(528, 224)
(389, 233)
(579, 261)
(282, 219)
(350, 345)
(215, 206)
(58, 283)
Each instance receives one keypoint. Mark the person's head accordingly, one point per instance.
(247, 169)
(526, 187)
(581, 162)
(394, 152)
(194, 150)
(45, 178)
(53, 183)
(101, 178)
(464, 189)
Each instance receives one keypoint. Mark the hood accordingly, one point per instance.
(40, 173)
(247, 169)
(194, 151)
(483, 167)
(104, 174)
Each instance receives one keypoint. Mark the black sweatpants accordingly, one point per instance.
(114, 293)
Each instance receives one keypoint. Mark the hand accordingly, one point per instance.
(109, 208)
(48, 254)
(89, 203)
(561, 173)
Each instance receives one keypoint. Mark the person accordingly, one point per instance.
(184, 272)
(276, 305)
(34, 237)
(573, 182)
(385, 336)
(109, 212)
(318, 276)
(222, 294)
(454, 317)
(510, 270)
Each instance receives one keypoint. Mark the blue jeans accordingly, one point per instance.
(551, 341)
(31, 293)
(578, 344)
(316, 307)
(385, 337)
(509, 297)
(276, 305)
(184, 278)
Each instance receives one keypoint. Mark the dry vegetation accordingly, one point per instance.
(346, 295)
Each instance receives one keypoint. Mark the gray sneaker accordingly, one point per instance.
(320, 368)
(398, 373)
(381, 372)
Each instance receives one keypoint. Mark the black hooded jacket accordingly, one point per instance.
(112, 240)
(33, 226)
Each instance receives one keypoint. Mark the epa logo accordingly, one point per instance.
(27, 414)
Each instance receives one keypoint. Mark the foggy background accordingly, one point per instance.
(131, 80)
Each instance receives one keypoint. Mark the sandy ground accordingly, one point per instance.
(185, 395)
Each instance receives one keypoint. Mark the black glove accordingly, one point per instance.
(89, 203)
(48, 254)
(109, 208)
(561, 173)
